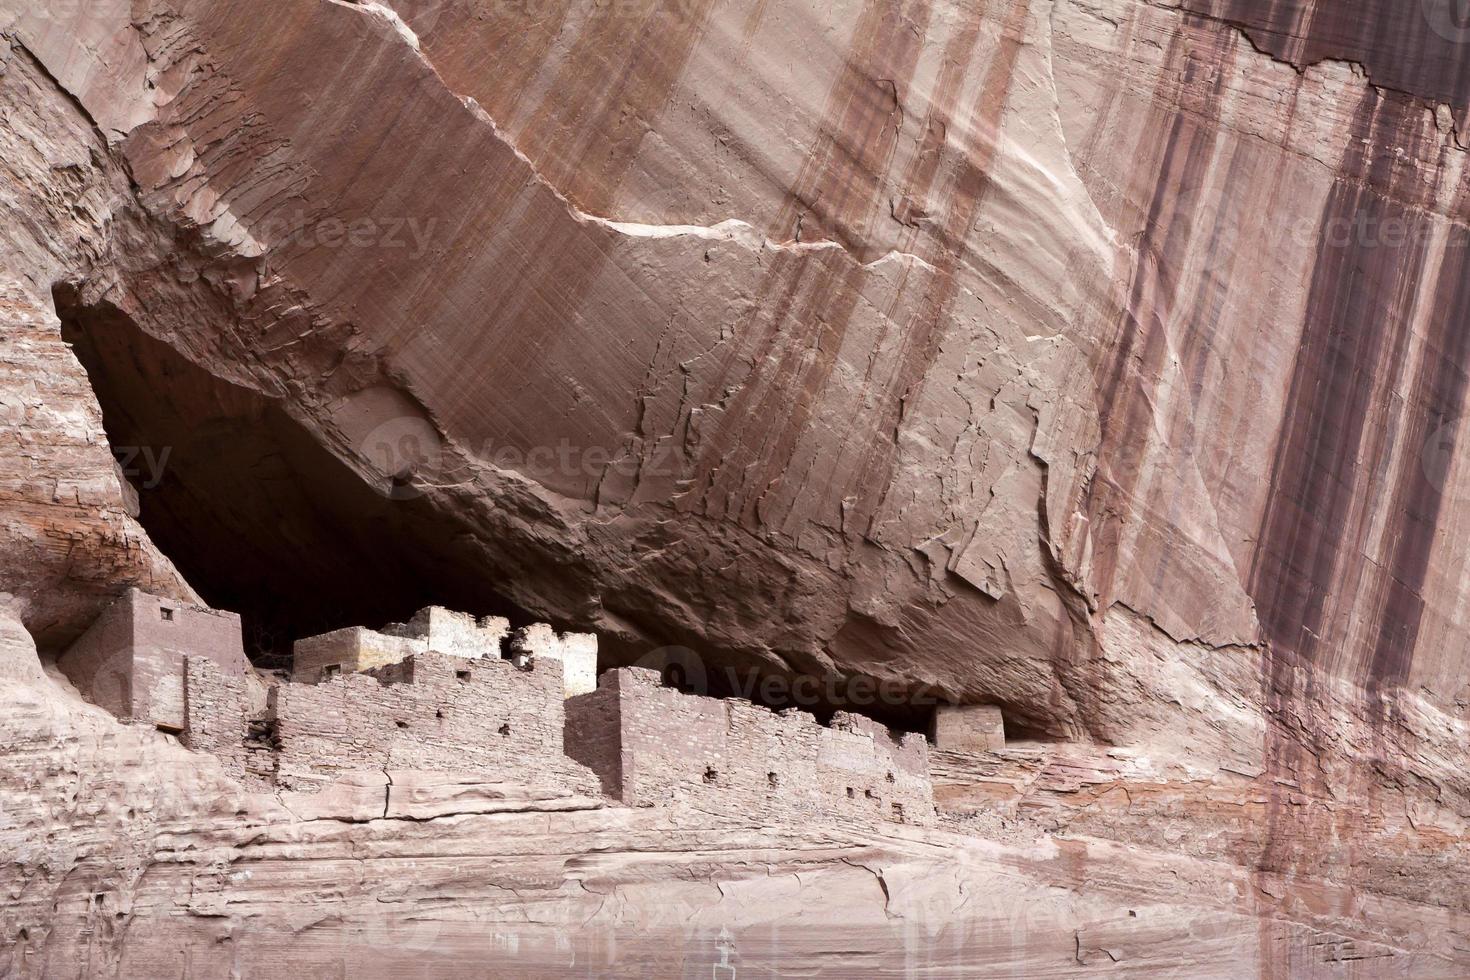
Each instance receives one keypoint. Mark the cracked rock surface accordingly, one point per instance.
(1100, 360)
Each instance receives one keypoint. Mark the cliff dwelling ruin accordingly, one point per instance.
(447, 691)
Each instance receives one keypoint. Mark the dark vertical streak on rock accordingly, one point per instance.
(1313, 532)
(1125, 378)
(1436, 399)
(1417, 46)
(634, 88)
(836, 192)
(923, 331)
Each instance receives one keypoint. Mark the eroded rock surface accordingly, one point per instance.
(1102, 361)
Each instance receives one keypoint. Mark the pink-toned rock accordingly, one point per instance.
(1100, 361)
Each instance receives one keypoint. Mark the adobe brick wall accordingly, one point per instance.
(131, 660)
(968, 728)
(100, 662)
(216, 713)
(458, 634)
(432, 628)
(576, 651)
(653, 744)
(421, 714)
(593, 737)
(353, 649)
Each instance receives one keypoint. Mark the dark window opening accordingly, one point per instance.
(710, 776)
(331, 670)
(890, 777)
(166, 614)
(870, 794)
(401, 724)
(505, 729)
(463, 675)
(439, 714)
(773, 779)
(851, 793)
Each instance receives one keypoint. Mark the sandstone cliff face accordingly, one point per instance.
(1100, 360)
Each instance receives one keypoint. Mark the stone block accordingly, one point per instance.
(968, 728)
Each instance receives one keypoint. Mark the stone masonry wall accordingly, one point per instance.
(968, 728)
(164, 633)
(432, 628)
(576, 651)
(216, 713)
(100, 662)
(352, 649)
(455, 633)
(593, 737)
(740, 759)
(432, 711)
(131, 660)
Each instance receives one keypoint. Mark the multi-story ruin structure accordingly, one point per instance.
(131, 660)
(969, 728)
(439, 630)
(449, 692)
(652, 744)
(431, 710)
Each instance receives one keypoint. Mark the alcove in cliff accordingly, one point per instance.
(257, 514)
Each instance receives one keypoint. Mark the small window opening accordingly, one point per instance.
(870, 794)
(898, 811)
(439, 714)
(851, 792)
(505, 729)
(331, 670)
(463, 675)
(710, 776)
(890, 777)
(773, 779)
(166, 614)
(401, 724)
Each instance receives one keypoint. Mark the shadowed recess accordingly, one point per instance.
(259, 517)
